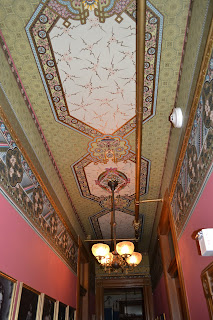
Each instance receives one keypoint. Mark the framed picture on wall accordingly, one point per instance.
(27, 303)
(61, 311)
(7, 296)
(48, 308)
(71, 313)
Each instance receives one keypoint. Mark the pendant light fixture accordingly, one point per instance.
(123, 256)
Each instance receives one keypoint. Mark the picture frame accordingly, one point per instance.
(61, 311)
(47, 308)
(70, 313)
(28, 303)
(8, 287)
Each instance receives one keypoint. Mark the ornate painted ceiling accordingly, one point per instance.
(69, 78)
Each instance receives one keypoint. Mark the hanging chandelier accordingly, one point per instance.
(123, 256)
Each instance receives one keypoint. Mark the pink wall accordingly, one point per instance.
(26, 257)
(192, 262)
(160, 299)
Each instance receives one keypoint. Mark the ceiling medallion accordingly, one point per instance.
(112, 174)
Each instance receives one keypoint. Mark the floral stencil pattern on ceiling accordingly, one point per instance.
(88, 67)
(20, 184)
(92, 179)
(198, 157)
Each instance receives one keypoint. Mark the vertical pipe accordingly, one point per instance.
(78, 280)
(140, 53)
(114, 223)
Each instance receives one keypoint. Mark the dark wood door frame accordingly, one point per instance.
(82, 301)
(166, 224)
(130, 282)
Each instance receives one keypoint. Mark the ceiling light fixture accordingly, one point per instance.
(123, 256)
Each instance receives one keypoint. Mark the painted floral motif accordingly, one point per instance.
(90, 176)
(64, 241)
(192, 162)
(14, 166)
(112, 174)
(63, 100)
(38, 201)
(31, 199)
(180, 197)
(120, 202)
(108, 147)
(199, 155)
(90, 4)
(3, 174)
(208, 104)
(53, 224)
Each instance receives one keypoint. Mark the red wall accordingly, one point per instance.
(160, 299)
(26, 257)
(192, 262)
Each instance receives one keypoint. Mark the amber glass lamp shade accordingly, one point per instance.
(125, 248)
(100, 250)
(135, 259)
(107, 260)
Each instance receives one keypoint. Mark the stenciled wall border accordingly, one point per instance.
(195, 160)
(21, 183)
(36, 122)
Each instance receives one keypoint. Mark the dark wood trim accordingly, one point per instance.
(172, 270)
(82, 301)
(207, 278)
(148, 302)
(172, 265)
(78, 289)
(186, 313)
(163, 225)
(99, 300)
(169, 282)
(131, 282)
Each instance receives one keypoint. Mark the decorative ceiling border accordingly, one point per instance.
(43, 20)
(78, 169)
(22, 184)
(36, 122)
(196, 154)
(96, 226)
(184, 50)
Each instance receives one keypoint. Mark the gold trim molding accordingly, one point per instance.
(19, 145)
(199, 86)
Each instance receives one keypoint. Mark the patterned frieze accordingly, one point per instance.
(20, 183)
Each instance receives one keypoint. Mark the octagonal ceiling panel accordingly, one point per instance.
(87, 62)
(102, 229)
(92, 178)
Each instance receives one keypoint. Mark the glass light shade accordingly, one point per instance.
(135, 259)
(107, 259)
(125, 248)
(100, 250)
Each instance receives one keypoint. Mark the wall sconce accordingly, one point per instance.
(205, 238)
